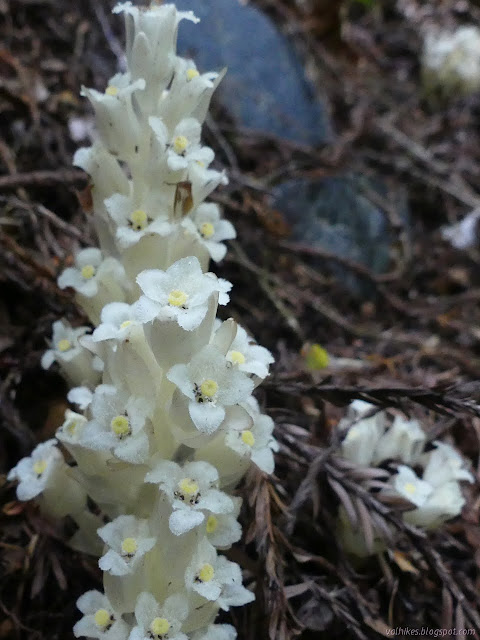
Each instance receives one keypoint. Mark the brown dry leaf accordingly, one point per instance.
(13, 508)
(404, 563)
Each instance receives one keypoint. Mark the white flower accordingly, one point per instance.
(444, 502)
(210, 385)
(253, 441)
(215, 578)
(128, 539)
(210, 230)
(65, 345)
(364, 433)
(189, 94)
(403, 441)
(116, 117)
(100, 620)
(118, 424)
(81, 396)
(134, 219)
(159, 622)
(192, 491)
(216, 632)
(223, 529)
(444, 464)
(36, 472)
(90, 269)
(183, 146)
(151, 40)
(180, 293)
(409, 485)
(248, 356)
(117, 321)
(71, 430)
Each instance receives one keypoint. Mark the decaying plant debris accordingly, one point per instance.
(417, 337)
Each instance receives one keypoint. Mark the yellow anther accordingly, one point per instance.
(248, 438)
(410, 488)
(316, 357)
(212, 524)
(236, 357)
(88, 271)
(206, 573)
(160, 626)
(39, 467)
(64, 345)
(139, 220)
(209, 388)
(192, 73)
(207, 230)
(200, 163)
(102, 618)
(188, 486)
(177, 298)
(71, 427)
(129, 546)
(120, 426)
(180, 144)
(111, 91)
(125, 324)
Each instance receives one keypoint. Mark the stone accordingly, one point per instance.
(265, 88)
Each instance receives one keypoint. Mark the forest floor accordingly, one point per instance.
(413, 344)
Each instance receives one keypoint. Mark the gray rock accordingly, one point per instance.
(265, 88)
(336, 215)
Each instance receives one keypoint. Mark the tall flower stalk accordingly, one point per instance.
(166, 424)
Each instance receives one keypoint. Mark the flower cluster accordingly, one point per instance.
(451, 61)
(165, 423)
(374, 438)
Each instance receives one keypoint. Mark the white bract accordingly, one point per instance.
(180, 293)
(128, 540)
(165, 425)
(210, 385)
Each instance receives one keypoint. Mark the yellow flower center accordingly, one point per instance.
(192, 73)
(188, 486)
(207, 230)
(70, 427)
(139, 220)
(111, 91)
(39, 467)
(206, 573)
(177, 298)
(410, 488)
(180, 144)
(248, 438)
(352, 433)
(88, 271)
(120, 426)
(209, 388)
(129, 546)
(102, 618)
(125, 324)
(212, 524)
(64, 345)
(236, 357)
(160, 626)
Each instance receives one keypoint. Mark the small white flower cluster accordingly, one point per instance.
(166, 423)
(373, 439)
(451, 61)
